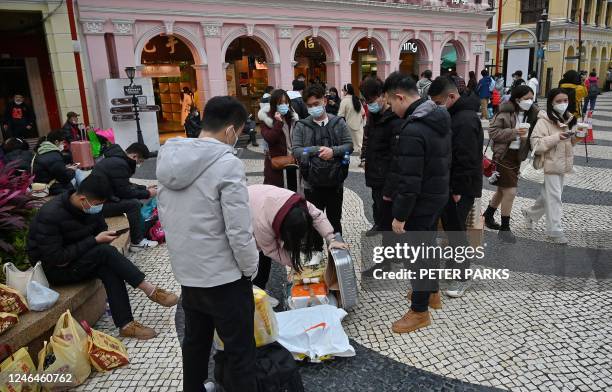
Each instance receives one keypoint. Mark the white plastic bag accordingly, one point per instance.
(315, 332)
(19, 280)
(40, 297)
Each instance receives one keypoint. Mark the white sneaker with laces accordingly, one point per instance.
(456, 289)
(529, 223)
(143, 245)
(316, 259)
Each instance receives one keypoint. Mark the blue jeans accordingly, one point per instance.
(589, 101)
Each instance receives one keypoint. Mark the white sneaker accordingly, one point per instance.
(316, 259)
(529, 223)
(142, 245)
(456, 289)
(561, 240)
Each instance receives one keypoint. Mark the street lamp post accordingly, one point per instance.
(542, 32)
(131, 73)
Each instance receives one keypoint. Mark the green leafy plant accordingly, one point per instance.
(17, 207)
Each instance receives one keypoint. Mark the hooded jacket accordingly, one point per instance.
(379, 131)
(49, 165)
(466, 168)
(60, 233)
(484, 87)
(203, 206)
(269, 206)
(554, 155)
(418, 180)
(117, 167)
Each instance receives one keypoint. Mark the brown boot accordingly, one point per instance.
(164, 297)
(435, 300)
(136, 330)
(411, 322)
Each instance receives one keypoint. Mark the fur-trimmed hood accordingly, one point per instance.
(264, 116)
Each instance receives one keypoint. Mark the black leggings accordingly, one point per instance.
(263, 272)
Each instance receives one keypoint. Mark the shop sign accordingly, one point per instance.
(134, 89)
(554, 47)
(411, 47)
(478, 49)
(309, 43)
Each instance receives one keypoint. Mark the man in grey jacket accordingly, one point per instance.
(322, 140)
(204, 209)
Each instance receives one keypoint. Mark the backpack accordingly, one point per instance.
(318, 172)
(594, 89)
(276, 370)
(193, 123)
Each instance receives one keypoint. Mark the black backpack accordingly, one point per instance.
(318, 172)
(299, 107)
(594, 90)
(193, 123)
(276, 370)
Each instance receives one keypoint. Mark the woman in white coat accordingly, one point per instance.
(552, 143)
(353, 112)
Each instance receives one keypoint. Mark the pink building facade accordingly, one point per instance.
(119, 30)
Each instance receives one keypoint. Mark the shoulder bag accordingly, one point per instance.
(19, 280)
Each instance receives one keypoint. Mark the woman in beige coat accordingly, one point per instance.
(552, 143)
(353, 112)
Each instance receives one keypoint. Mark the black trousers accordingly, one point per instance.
(229, 309)
(130, 207)
(328, 200)
(454, 219)
(291, 181)
(381, 210)
(105, 263)
(263, 271)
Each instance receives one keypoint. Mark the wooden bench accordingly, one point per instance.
(86, 301)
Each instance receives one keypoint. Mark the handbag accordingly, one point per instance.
(488, 166)
(532, 170)
(283, 161)
(19, 280)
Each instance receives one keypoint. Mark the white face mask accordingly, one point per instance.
(560, 108)
(526, 104)
(234, 150)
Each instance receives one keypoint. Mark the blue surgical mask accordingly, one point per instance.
(93, 210)
(373, 107)
(283, 108)
(316, 111)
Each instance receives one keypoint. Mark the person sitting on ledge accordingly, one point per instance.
(118, 166)
(71, 239)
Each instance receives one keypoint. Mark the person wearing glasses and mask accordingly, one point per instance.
(322, 145)
(204, 209)
(118, 167)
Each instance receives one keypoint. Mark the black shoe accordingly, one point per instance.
(372, 232)
(490, 222)
(385, 266)
(253, 136)
(506, 236)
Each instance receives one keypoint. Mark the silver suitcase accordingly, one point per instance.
(340, 272)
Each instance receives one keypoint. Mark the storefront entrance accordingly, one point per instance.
(448, 59)
(168, 62)
(310, 61)
(365, 61)
(410, 55)
(247, 72)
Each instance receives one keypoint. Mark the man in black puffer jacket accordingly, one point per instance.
(418, 185)
(466, 171)
(118, 167)
(378, 134)
(71, 239)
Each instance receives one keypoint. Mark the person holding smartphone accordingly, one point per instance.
(552, 142)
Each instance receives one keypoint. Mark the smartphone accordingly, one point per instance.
(570, 133)
(121, 231)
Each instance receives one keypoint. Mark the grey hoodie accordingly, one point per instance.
(203, 206)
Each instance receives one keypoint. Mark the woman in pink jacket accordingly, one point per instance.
(283, 223)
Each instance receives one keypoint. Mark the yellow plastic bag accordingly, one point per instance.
(265, 324)
(16, 364)
(69, 329)
(7, 320)
(105, 351)
(11, 301)
(72, 342)
(60, 356)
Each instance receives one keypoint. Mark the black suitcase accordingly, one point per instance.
(276, 370)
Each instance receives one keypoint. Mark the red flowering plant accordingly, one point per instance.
(17, 207)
